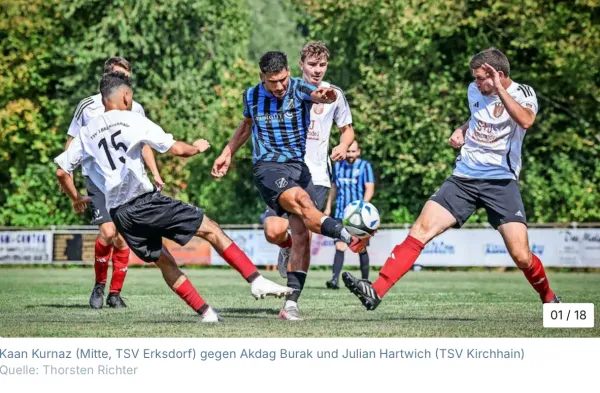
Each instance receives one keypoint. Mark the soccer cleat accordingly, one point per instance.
(97, 297)
(290, 313)
(556, 299)
(363, 289)
(282, 261)
(357, 245)
(211, 316)
(261, 287)
(114, 300)
(332, 284)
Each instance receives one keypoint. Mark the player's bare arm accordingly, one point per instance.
(239, 138)
(457, 139)
(524, 117)
(182, 149)
(369, 191)
(323, 95)
(150, 162)
(65, 180)
(338, 153)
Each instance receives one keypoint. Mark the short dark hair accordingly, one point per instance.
(111, 62)
(493, 57)
(273, 61)
(113, 81)
(316, 49)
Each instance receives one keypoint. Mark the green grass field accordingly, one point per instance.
(54, 303)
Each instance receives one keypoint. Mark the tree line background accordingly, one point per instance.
(403, 66)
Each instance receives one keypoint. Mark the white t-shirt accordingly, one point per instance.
(110, 148)
(493, 142)
(89, 108)
(317, 139)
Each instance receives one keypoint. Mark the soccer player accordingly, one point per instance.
(110, 147)
(108, 240)
(353, 180)
(486, 175)
(276, 114)
(314, 58)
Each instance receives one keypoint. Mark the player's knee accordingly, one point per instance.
(522, 259)
(108, 233)
(341, 246)
(275, 231)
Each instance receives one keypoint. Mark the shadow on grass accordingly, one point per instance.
(74, 306)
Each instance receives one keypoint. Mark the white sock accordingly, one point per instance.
(290, 303)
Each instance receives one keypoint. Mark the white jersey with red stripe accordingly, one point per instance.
(494, 140)
(322, 117)
(110, 149)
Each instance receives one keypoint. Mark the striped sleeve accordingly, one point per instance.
(304, 90)
(246, 108)
(369, 177)
(77, 121)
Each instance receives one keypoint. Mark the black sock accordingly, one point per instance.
(338, 263)
(295, 280)
(364, 265)
(335, 230)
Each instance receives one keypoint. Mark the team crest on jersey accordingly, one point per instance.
(319, 108)
(355, 173)
(498, 109)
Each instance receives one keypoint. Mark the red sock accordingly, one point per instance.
(287, 243)
(188, 293)
(536, 275)
(239, 261)
(120, 262)
(101, 257)
(400, 261)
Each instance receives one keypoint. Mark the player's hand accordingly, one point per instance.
(202, 145)
(159, 182)
(339, 152)
(493, 74)
(81, 203)
(221, 166)
(457, 139)
(326, 95)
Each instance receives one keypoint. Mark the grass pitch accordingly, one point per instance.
(53, 302)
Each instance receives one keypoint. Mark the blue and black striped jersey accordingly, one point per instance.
(350, 180)
(279, 126)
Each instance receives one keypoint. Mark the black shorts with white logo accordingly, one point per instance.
(501, 199)
(273, 178)
(321, 192)
(145, 220)
(98, 204)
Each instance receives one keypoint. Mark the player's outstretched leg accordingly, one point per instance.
(236, 258)
(102, 251)
(433, 220)
(517, 243)
(120, 259)
(297, 201)
(276, 232)
(297, 269)
(180, 284)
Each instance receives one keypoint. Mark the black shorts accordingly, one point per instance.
(501, 199)
(98, 204)
(273, 178)
(321, 192)
(145, 220)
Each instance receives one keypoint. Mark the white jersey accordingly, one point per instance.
(317, 139)
(110, 149)
(88, 109)
(493, 141)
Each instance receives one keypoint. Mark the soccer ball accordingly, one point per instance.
(361, 219)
